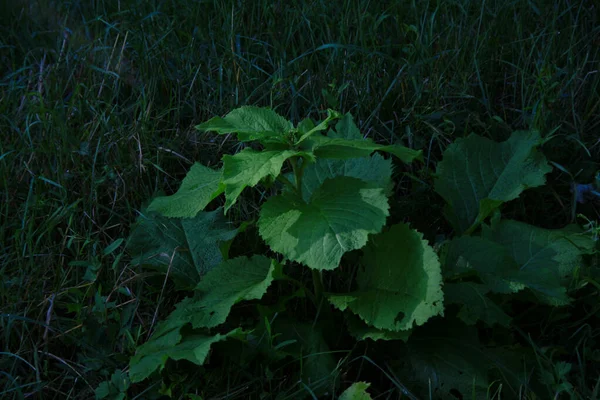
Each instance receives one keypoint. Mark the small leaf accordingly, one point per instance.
(327, 147)
(250, 123)
(200, 186)
(477, 175)
(248, 167)
(331, 115)
(346, 129)
(187, 248)
(112, 247)
(400, 283)
(357, 391)
(337, 219)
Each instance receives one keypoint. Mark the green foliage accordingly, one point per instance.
(200, 186)
(477, 175)
(249, 124)
(338, 218)
(400, 283)
(115, 388)
(357, 391)
(325, 206)
(249, 167)
(97, 105)
(183, 248)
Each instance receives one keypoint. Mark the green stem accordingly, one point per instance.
(318, 285)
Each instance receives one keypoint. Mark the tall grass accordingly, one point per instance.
(98, 100)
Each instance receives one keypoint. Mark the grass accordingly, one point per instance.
(98, 100)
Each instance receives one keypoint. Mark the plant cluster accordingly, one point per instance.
(326, 268)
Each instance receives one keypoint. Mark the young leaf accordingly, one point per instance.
(248, 167)
(477, 175)
(250, 123)
(154, 354)
(187, 248)
(400, 284)
(338, 218)
(331, 115)
(346, 129)
(328, 147)
(357, 391)
(200, 186)
(475, 304)
(375, 170)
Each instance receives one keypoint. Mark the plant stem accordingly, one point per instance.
(318, 285)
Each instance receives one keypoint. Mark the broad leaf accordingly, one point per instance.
(475, 256)
(513, 255)
(357, 391)
(474, 303)
(546, 258)
(477, 175)
(250, 123)
(186, 248)
(154, 354)
(337, 219)
(328, 147)
(374, 170)
(248, 167)
(400, 284)
(200, 186)
(233, 281)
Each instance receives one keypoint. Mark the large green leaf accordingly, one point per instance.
(475, 256)
(474, 303)
(375, 170)
(512, 256)
(248, 167)
(154, 354)
(186, 248)
(546, 258)
(357, 391)
(250, 123)
(477, 175)
(340, 215)
(335, 147)
(233, 281)
(400, 284)
(200, 186)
